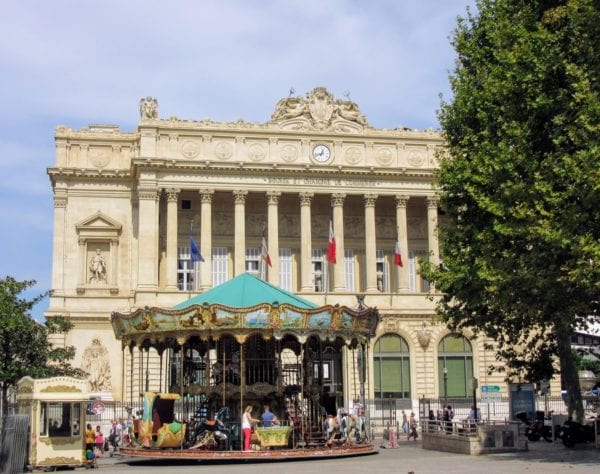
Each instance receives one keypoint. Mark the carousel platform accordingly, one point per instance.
(272, 455)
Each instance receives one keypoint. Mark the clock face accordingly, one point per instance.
(321, 153)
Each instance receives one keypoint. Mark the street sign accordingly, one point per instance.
(490, 388)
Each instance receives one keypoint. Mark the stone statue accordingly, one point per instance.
(148, 108)
(95, 363)
(288, 108)
(97, 268)
(348, 110)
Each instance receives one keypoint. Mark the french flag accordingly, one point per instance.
(331, 245)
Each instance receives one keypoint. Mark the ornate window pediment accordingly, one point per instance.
(98, 224)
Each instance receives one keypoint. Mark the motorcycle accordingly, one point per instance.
(572, 432)
(537, 428)
(210, 434)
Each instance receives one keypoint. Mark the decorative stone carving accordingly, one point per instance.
(320, 105)
(95, 363)
(289, 153)
(353, 155)
(423, 336)
(319, 110)
(384, 156)
(416, 157)
(223, 150)
(98, 268)
(148, 108)
(256, 152)
(190, 149)
(99, 157)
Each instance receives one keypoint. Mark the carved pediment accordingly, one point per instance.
(318, 110)
(98, 221)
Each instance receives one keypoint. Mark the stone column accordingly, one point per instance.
(206, 198)
(432, 224)
(370, 243)
(273, 237)
(305, 242)
(172, 238)
(83, 279)
(239, 262)
(148, 239)
(401, 224)
(113, 271)
(58, 250)
(339, 271)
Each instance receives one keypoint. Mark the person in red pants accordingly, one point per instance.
(247, 421)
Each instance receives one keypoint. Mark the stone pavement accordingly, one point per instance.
(408, 457)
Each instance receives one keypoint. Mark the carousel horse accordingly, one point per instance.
(211, 434)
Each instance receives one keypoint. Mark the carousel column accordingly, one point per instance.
(181, 341)
(206, 198)
(371, 244)
(239, 264)
(339, 273)
(401, 224)
(172, 235)
(306, 242)
(148, 239)
(273, 219)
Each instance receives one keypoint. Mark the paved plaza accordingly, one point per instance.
(408, 457)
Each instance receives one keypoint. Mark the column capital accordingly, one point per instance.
(401, 200)
(306, 198)
(337, 199)
(172, 194)
(239, 196)
(60, 201)
(432, 202)
(273, 197)
(206, 195)
(370, 199)
(148, 193)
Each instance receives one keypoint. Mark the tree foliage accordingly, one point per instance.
(24, 346)
(520, 186)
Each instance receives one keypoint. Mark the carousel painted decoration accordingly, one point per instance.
(247, 342)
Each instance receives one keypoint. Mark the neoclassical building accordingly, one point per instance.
(128, 205)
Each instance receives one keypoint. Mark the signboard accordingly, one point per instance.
(521, 397)
(98, 408)
(490, 393)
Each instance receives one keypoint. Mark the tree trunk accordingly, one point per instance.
(569, 374)
(4, 400)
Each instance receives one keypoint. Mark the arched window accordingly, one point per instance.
(455, 366)
(391, 363)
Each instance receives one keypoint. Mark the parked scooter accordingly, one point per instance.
(572, 432)
(537, 428)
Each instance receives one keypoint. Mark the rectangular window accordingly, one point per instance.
(187, 271)
(349, 268)
(60, 420)
(319, 271)
(253, 261)
(219, 265)
(285, 268)
(416, 284)
(383, 272)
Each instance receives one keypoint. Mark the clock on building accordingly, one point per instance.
(321, 153)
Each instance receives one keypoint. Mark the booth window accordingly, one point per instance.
(59, 420)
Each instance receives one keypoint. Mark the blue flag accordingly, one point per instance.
(196, 257)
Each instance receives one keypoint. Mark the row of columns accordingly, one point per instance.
(148, 238)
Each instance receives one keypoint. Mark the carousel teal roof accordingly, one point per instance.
(244, 291)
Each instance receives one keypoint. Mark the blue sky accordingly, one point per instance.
(87, 62)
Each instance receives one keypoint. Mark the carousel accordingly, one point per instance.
(247, 344)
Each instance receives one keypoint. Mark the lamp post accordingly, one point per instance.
(445, 386)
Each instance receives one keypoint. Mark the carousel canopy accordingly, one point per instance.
(244, 291)
(242, 306)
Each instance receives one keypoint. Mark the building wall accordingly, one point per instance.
(120, 196)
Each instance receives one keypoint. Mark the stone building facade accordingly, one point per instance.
(128, 205)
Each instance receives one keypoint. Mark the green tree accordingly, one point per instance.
(24, 346)
(520, 186)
